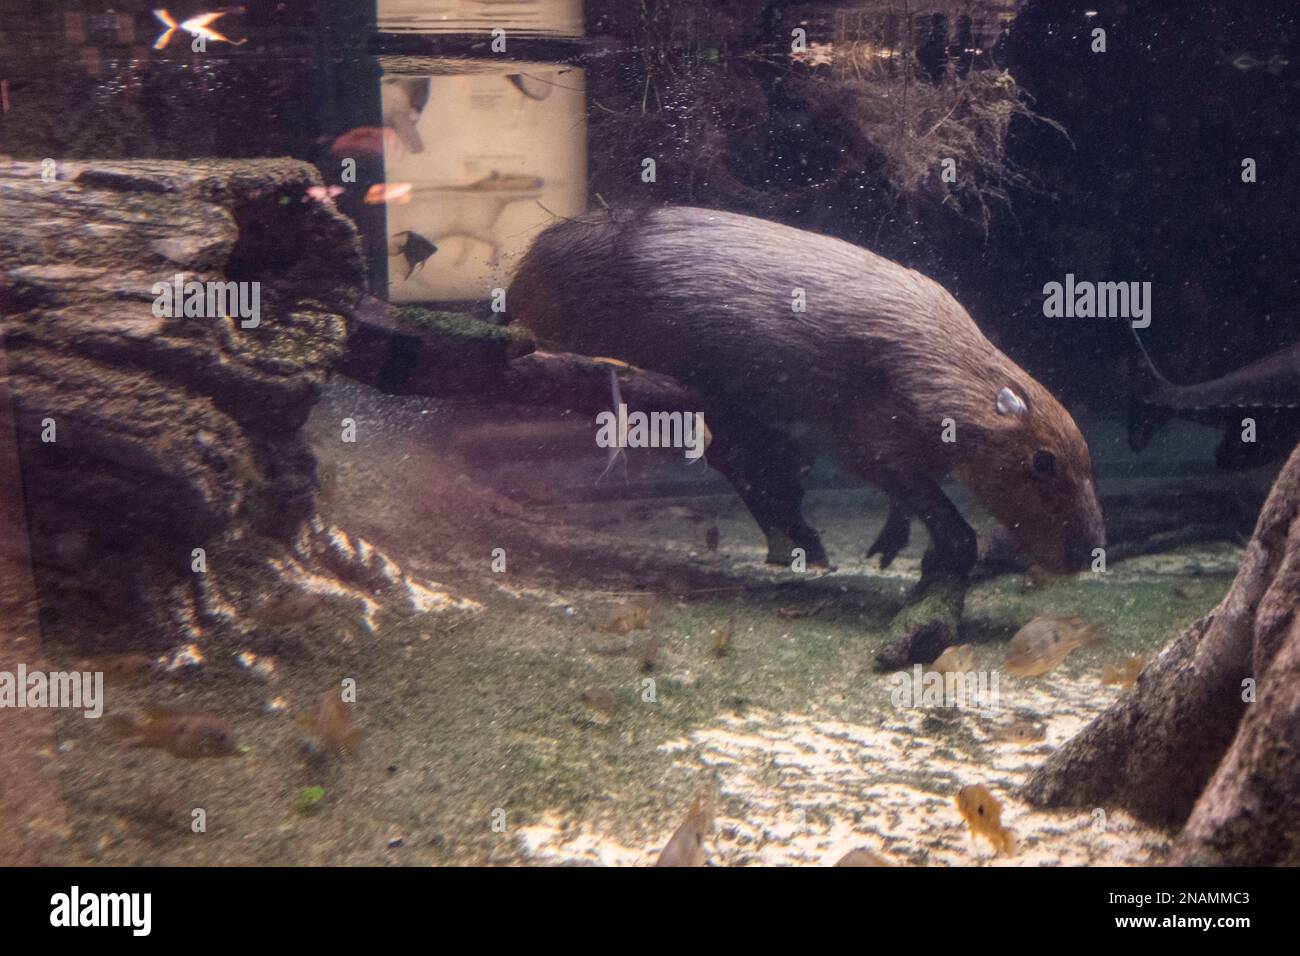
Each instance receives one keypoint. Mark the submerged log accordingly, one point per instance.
(1209, 738)
(141, 436)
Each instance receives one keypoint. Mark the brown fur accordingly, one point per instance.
(868, 373)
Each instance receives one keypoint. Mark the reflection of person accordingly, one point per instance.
(472, 211)
(403, 102)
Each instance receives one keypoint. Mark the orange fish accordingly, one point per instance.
(187, 734)
(686, 848)
(983, 814)
(956, 659)
(1044, 642)
(396, 193)
(331, 723)
(1126, 674)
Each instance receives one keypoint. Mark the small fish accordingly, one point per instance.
(599, 700)
(1021, 730)
(415, 249)
(862, 857)
(958, 659)
(722, 638)
(532, 87)
(1274, 64)
(197, 26)
(983, 814)
(331, 724)
(1126, 674)
(374, 141)
(395, 193)
(322, 193)
(185, 734)
(627, 617)
(711, 539)
(686, 848)
(648, 653)
(1044, 642)
(123, 668)
(794, 612)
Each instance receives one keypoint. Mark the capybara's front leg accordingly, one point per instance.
(765, 466)
(929, 621)
(953, 549)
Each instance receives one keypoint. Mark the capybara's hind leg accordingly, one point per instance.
(893, 536)
(765, 465)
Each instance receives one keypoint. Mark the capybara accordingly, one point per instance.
(800, 344)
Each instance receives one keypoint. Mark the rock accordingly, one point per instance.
(1185, 748)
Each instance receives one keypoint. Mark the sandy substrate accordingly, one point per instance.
(478, 749)
(804, 789)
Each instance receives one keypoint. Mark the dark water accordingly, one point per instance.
(462, 567)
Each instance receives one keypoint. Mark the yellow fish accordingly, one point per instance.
(1126, 674)
(958, 659)
(331, 723)
(983, 814)
(686, 848)
(190, 735)
(1020, 731)
(1044, 642)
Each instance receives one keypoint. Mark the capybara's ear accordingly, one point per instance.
(1010, 403)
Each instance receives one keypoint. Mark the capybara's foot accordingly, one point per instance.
(781, 550)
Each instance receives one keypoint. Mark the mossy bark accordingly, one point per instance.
(143, 436)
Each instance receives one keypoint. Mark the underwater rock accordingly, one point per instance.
(144, 434)
(1206, 739)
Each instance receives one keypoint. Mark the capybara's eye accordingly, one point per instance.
(1044, 463)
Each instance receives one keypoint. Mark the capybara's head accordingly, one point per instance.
(1033, 471)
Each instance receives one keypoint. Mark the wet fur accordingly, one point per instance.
(868, 373)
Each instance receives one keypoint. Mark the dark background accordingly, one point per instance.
(1145, 187)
